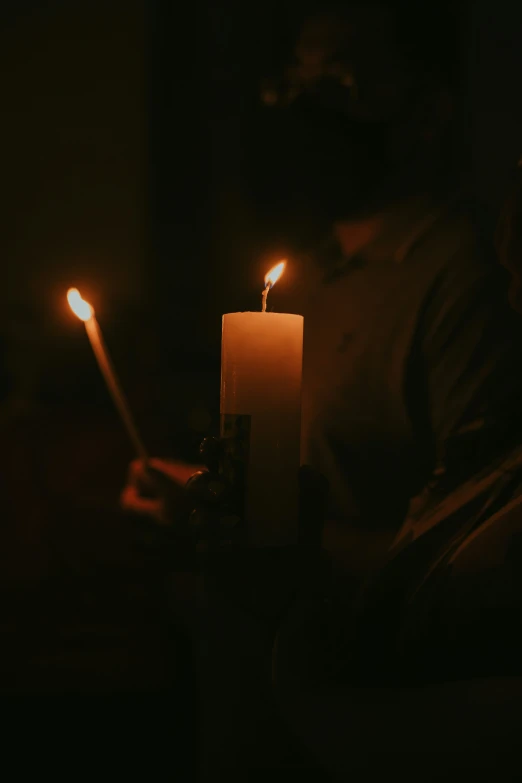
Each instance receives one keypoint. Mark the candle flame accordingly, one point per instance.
(275, 273)
(79, 306)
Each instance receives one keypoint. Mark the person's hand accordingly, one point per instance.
(194, 502)
(205, 507)
(157, 490)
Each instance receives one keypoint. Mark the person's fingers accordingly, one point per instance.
(132, 500)
(157, 489)
(159, 476)
(135, 471)
(140, 477)
(178, 472)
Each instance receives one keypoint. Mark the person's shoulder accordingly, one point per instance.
(458, 240)
(460, 271)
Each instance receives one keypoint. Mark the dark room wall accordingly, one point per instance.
(73, 152)
(495, 78)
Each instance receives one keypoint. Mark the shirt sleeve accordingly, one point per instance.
(468, 358)
(464, 622)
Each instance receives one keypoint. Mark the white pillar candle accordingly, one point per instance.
(261, 370)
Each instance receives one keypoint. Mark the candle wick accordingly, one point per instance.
(263, 301)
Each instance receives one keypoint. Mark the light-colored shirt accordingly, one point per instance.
(411, 367)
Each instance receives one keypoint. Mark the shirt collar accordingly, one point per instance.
(403, 228)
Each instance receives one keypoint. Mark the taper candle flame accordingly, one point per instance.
(271, 279)
(79, 306)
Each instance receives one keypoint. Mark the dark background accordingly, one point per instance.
(124, 128)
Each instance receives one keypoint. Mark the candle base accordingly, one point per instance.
(263, 493)
(235, 439)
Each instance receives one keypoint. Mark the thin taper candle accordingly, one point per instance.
(85, 312)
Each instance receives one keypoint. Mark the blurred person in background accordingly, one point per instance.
(425, 664)
(420, 672)
(410, 405)
(409, 340)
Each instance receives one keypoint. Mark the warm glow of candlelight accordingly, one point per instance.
(79, 306)
(275, 273)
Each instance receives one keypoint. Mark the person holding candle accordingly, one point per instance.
(411, 383)
(409, 345)
(423, 670)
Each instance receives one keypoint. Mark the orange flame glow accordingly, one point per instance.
(275, 273)
(79, 306)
